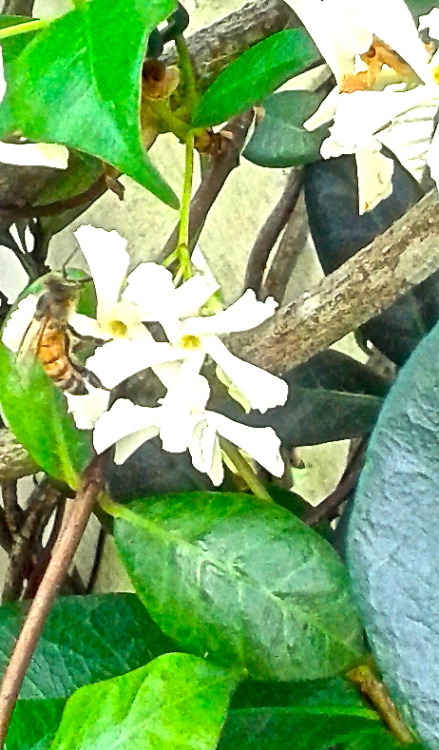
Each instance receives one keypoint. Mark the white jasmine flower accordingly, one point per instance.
(30, 154)
(364, 106)
(87, 409)
(192, 336)
(128, 426)
(18, 322)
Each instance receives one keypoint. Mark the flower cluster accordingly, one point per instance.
(191, 327)
(385, 77)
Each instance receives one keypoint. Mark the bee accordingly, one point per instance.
(50, 338)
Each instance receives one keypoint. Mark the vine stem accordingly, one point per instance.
(245, 470)
(56, 570)
(183, 229)
(369, 684)
(24, 28)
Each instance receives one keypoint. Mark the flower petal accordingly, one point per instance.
(261, 443)
(117, 360)
(246, 313)
(88, 408)
(189, 392)
(205, 450)
(19, 321)
(87, 327)
(126, 446)
(122, 420)
(430, 21)
(261, 389)
(34, 154)
(149, 286)
(108, 260)
(374, 175)
(200, 263)
(193, 294)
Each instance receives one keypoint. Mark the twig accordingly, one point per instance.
(43, 499)
(219, 169)
(327, 509)
(63, 552)
(270, 231)
(39, 569)
(13, 513)
(18, 7)
(291, 246)
(364, 286)
(5, 534)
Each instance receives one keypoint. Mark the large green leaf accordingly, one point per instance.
(77, 82)
(86, 639)
(36, 413)
(34, 724)
(178, 701)
(280, 140)
(255, 74)
(242, 580)
(393, 549)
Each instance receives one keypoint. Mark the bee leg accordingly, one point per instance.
(90, 377)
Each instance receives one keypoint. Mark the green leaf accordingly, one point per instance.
(392, 540)
(255, 74)
(86, 639)
(242, 580)
(77, 82)
(314, 728)
(178, 701)
(34, 724)
(280, 140)
(35, 410)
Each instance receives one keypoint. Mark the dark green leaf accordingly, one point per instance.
(77, 82)
(315, 728)
(393, 549)
(243, 581)
(255, 74)
(34, 724)
(178, 701)
(86, 639)
(339, 232)
(280, 140)
(336, 692)
(36, 413)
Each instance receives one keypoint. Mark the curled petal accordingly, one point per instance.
(34, 155)
(18, 322)
(205, 451)
(246, 313)
(189, 392)
(260, 389)
(119, 359)
(200, 263)
(129, 444)
(108, 260)
(88, 408)
(124, 420)
(374, 174)
(261, 443)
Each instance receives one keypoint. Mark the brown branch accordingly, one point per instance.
(270, 231)
(18, 7)
(15, 461)
(291, 247)
(368, 283)
(62, 556)
(13, 513)
(220, 166)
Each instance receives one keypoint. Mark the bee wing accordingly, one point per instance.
(30, 344)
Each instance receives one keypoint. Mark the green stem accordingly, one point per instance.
(183, 229)
(168, 122)
(24, 28)
(245, 470)
(187, 71)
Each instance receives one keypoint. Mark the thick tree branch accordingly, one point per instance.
(368, 283)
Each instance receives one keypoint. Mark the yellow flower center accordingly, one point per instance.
(189, 341)
(117, 328)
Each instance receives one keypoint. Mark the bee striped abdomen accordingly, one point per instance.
(54, 356)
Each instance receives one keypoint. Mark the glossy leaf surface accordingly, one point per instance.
(36, 413)
(77, 82)
(393, 550)
(280, 140)
(178, 701)
(255, 74)
(242, 580)
(86, 639)
(34, 724)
